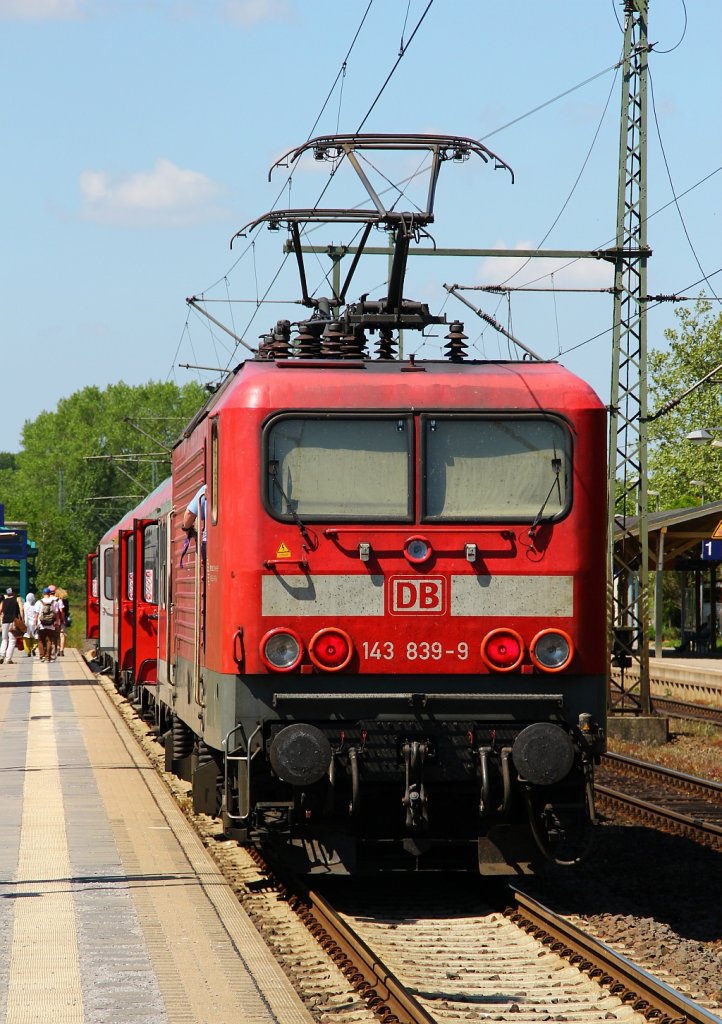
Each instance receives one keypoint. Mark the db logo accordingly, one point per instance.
(417, 595)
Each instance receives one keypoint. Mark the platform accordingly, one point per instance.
(111, 909)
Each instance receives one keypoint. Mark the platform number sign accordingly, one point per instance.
(712, 550)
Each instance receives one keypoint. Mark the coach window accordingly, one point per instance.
(214, 471)
(94, 590)
(129, 568)
(351, 467)
(108, 574)
(497, 469)
(150, 564)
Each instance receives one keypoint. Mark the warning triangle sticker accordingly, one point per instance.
(283, 551)
(717, 534)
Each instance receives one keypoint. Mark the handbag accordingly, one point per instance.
(18, 627)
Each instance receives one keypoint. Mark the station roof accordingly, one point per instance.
(684, 529)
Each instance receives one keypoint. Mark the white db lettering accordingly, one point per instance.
(419, 596)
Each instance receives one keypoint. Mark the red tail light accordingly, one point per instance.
(502, 650)
(330, 649)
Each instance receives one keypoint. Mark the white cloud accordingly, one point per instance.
(39, 10)
(251, 12)
(166, 196)
(581, 273)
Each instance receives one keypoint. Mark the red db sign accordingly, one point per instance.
(417, 595)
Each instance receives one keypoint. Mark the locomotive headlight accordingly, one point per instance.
(281, 650)
(551, 650)
(417, 550)
(330, 649)
(502, 650)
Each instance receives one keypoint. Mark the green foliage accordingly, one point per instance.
(67, 495)
(695, 349)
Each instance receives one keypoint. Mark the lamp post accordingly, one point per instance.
(703, 435)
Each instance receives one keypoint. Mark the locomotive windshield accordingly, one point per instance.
(340, 468)
(495, 468)
(473, 468)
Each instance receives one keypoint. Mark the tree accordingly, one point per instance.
(695, 349)
(70, 497)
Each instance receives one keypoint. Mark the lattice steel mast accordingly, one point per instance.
(629, 578)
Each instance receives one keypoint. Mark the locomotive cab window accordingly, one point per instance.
(340, 467)
(512, 469)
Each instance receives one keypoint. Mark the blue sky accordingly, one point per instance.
(137, 137)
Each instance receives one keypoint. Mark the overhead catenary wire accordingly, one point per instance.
(610, 241)
(671, 185)
(557, 97)
(422, 169)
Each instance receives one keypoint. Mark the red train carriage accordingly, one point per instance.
(397, 637)
(122, 589)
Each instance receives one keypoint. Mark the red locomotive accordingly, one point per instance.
(384, 645)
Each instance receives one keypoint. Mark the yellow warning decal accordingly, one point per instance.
(717, 531)
(283, 551)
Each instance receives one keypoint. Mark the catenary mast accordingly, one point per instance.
(629, 577)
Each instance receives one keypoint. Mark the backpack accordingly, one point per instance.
(47, 614)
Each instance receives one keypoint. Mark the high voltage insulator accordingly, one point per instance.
(455, 348)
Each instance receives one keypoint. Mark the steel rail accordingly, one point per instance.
(374, 982)
(687, 711)
(681, 780)
(636, 987)
(706, 833)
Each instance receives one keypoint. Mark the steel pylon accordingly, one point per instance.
(628, 537)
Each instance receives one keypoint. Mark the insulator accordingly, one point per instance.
(386, 345)
(307, 344)
(353, 344)
(456, 350)
(265, 349)
(281, 344)
(331, 342)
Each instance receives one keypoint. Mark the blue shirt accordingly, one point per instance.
(197, 506)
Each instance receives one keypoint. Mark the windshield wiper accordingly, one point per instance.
(312, 542)
(556, 482)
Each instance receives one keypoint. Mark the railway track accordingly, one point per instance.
(682, 804)
(688, 712)
(423, 959)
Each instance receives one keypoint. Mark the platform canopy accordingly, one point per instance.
(684, 529)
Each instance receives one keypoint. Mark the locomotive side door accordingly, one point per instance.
(165, 599)
(107, 610)
(126, 589)
(145, 601)
(92, 597)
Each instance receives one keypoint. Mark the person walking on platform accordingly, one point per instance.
(47, 625)
(12, 609)
(60, 609)
(64, 606)
(32, 610)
